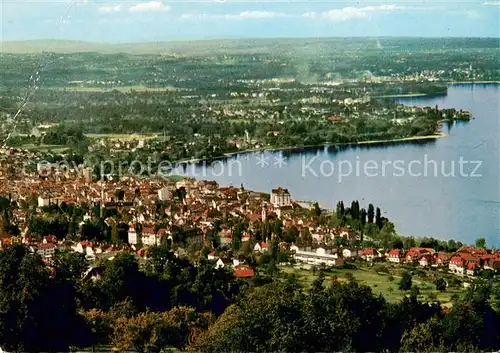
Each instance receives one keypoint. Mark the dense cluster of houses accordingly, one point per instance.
(144, 204)
(467, 261)
(194, 206)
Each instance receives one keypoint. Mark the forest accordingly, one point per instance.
(167, 302)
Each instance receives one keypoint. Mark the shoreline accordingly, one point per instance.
(412, 95)
(473, 82)
(297, 148)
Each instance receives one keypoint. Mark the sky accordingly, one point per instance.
(145, 21)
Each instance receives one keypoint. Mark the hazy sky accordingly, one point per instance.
(132, 21)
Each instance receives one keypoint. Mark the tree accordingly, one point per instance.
(371, 213)
(362, 218)
(471, 325)
(146, 332)
(115, 235)
(291, 235)
(121, 279)
(340, 317)
(317, 210)
(378, 218)
(37, 311)
(70, 266)
(424, 337)
(406, 281)
(409, 242)
(306, 237)
(440, 284)
(340, 210)
(481, 243)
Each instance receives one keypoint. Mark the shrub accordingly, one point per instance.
(381, 268)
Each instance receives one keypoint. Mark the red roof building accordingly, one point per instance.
(243, 271)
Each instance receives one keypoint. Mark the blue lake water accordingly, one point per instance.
(444, 188)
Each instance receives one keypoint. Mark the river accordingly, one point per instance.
(444, 188)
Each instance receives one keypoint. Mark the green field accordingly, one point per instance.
(123, 137)
(45, 148)
(123, 89)
(379, 282)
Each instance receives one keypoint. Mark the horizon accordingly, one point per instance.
(243, 39)
(137, 21)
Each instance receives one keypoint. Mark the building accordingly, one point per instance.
(318, 257)
(395, 256)
(457, 265)
(149, 237)
(426, 260)
(472, 269)
(46, 250)
(132, 236)
(43, 201)
(370, 254)
(441, 259)
(164, 194)
(414, 254)
(348, 253)
(261, 247)
(243, 271)
(280, 197)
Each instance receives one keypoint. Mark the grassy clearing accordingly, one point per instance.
(123, 89)
(45, 148)
(123, 137)
(379, 282)
(175, 178)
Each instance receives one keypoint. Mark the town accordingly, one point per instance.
(108, 244)
(56, 209)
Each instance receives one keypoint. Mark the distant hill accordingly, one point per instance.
(246, 46)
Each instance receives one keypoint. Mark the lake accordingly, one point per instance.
(444, 188)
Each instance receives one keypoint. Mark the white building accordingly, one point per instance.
(320, 256)
(46, 250)
(164, 194)
(43, 201)
(132, 236)
(348, 253)
(280, 197)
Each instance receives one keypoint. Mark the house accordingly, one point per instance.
(43, 201)
(414, 254)
(221, 263)
(492, 264)
(261, 247)
(132, 236)
(369, 254)
(472, 269)
(395, 256)
(211, 256)
(164, 194)
(441, 259)
(349, 253)
(149, 237)
(280, 197)
(245, 237)
(457, 265)
(46, 250)
(49, 239)
(243, 271)
(85, 247)
(294, 248)
(426, 260)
